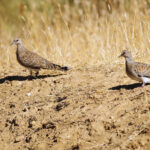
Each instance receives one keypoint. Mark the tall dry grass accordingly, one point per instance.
(76, 33)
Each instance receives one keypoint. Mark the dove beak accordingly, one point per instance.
(120, 55)
(12, 43)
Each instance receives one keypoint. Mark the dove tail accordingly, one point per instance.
(65, 68)
(57, 67)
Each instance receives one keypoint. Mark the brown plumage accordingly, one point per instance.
(33, 61)
(136, 70)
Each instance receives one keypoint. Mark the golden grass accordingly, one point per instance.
(78, 41)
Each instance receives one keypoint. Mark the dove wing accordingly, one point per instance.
(32, 60)
(142, 69)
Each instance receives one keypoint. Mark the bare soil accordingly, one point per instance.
(88, 109)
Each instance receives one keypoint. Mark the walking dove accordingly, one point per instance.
(33, 61)
(136, 70)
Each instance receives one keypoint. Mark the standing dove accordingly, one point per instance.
(136, 70)
(33, 61)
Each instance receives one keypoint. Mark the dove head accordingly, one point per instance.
(126, 54)
(17, 41)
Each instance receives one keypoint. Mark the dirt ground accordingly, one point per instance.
(96, 108)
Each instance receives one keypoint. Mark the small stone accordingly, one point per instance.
(48, 125)
(19, 138)
(29, 94)
(61, 106)
(28, 139)
(59, 99)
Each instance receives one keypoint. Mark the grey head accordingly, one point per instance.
(126, 54)
(16, 41)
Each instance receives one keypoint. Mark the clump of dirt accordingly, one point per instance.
(92, 108)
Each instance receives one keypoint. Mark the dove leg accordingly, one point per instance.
(30, 76)
(143, 84)
(30, 72)
(37, 73)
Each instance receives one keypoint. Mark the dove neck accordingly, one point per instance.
(20, 46)
(129, 59)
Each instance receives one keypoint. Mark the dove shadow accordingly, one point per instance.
(127, 87)
(23, 78)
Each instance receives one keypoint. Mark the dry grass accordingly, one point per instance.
(79, 40)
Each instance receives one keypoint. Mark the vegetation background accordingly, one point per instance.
(75, 32)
